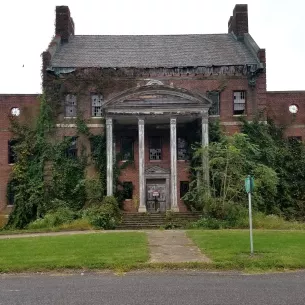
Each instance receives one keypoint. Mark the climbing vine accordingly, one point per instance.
(46, 175)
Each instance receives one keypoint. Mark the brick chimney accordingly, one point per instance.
(238, 23)
(64, 25)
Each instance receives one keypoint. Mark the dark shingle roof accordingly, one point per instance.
(151, 51)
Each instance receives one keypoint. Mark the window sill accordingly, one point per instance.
(97, 117)
(155, 161)
(214, 116)
(11, 164)
(70, 117)
(239, 115)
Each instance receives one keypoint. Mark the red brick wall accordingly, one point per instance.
(28, 105)
(278, 109)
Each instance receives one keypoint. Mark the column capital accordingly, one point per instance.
(204, 120)
(141, 121)
(173, 120)
(109, 121)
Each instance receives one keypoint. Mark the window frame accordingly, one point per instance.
(181, 191)
(72, 151)
(237, 112)
(101, 99)
(150, 147)
(72, 105)
(12, 156)
(122, 148)
(186, 148)
(214, 93)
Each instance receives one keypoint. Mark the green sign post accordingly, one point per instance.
(249, 186)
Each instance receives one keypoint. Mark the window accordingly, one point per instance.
(127, 190)
(10, 193)
(295, 139)
(239, 102)
(96, 103)
(182, 149)
(127, 148)
(71, 151)
(70, 105)
(12, 157)
(184, 188)
(214, 96)
(155, 148)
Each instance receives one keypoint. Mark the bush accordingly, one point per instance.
(53, 219)
(105, 216)
(208, 223)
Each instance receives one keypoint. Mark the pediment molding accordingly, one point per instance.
(157, 170)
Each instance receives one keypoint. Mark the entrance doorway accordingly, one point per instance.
(156, 194)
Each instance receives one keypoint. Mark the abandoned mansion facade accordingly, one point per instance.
(152, 95)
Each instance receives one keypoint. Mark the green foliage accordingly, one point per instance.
(105, 216)
(53, 219)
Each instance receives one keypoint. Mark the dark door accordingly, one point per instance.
(156, 196)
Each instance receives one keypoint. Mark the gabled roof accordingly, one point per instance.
(151, 51)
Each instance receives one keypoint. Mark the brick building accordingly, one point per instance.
(161, 85)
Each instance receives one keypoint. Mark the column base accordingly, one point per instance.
(175, 209)
(142, 209)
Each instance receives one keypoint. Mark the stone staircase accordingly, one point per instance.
(157, 220)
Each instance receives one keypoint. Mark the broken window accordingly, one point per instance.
(182, 149)
(12, 157)
(96, 103)
(71, 151)
(155, 148)
(127, 148)
(214, 96)
(70, 105)
(127, 190)
(239, 102)
(184, 188)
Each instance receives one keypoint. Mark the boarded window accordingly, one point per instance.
(12, 157)
(71, 151)
(239, 106)
(184, 188)
(155, 148)
(127, 190)
(70, 105)
(127, 148)
(214, 96)
(96, 103)
(182, 149)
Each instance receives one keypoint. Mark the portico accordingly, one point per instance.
(156, 110)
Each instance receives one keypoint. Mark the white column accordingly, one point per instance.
(173, 148)
(205, 144)
(142, 205)
(109, 140)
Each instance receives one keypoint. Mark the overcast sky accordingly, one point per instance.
(26, 28)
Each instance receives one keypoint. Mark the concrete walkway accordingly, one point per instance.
(173, 246)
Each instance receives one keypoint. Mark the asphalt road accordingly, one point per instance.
(153, 288)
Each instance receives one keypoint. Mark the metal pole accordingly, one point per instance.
(250, 222)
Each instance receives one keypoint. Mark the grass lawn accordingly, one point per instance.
(102, 251)
(230, 249)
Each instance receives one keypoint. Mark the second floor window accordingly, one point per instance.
(214, 96)
(127, 148)
(155, 148)
(70, 105)
(96, 103)
(182, 149)
(239, 106)
(12, 157)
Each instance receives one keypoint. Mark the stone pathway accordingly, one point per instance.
(173, 246)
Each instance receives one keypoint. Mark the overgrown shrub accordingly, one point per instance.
(105, 216)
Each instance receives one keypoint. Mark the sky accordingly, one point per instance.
(27, 27)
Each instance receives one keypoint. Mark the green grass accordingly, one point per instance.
(274, 250)
(90, 251)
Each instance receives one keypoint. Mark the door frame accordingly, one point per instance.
(156, 172)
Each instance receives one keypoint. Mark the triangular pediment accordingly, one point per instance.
(157, 95)
(157, 170)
